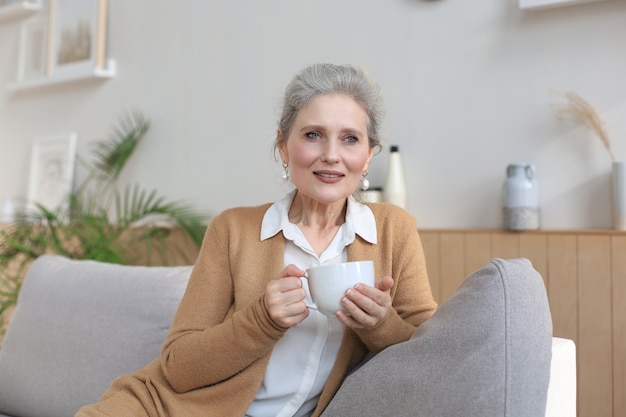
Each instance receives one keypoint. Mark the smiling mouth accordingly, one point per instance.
(326, 175)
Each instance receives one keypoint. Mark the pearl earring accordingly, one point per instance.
(285, 173)
(365, 183)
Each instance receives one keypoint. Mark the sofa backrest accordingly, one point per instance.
(77, 326)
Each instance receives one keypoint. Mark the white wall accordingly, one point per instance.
(468, 87)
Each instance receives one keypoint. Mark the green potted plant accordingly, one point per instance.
(102, 221)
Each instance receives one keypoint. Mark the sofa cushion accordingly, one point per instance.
(77, 326)
(485, 352)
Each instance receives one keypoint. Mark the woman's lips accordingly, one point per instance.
(329, 177)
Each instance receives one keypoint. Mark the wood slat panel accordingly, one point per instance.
(535, 248)
(595, 354)
(477, 251)
(618, 264)
(452, 267)
(505, 245)
(430, 243)
(563, 285)
(585, 275)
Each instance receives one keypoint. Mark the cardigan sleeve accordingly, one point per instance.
(209, 339)
(400, 254)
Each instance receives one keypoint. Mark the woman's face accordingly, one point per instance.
(328, 148)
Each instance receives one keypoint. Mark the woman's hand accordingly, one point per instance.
(284, 297)
(367, 305)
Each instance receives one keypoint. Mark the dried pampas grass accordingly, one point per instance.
(584, 112)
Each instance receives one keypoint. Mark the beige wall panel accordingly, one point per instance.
(505, 245)
(452, 266)
(585, 275)
(618, 263)
(595, 355)
(430, 243)
(563, 285)
(534, 246)
(477, 251)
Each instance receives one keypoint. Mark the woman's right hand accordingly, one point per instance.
(284, 297)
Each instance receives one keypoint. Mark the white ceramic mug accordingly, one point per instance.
(328, 283)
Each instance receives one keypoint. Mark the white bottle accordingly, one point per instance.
(395, 189)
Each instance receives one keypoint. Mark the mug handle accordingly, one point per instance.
(312, 305)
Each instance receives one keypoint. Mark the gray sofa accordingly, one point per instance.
(488, 351)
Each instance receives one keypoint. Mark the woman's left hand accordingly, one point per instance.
(367, 306)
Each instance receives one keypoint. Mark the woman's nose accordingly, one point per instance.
(330, 153)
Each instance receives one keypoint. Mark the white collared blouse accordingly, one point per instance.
(302, 359)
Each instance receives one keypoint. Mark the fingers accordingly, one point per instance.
(362, 293)
(361, 311)
(385, 284)
(291, 271)
(366, 306)
(284, 297)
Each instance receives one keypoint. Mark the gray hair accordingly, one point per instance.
(327, 79)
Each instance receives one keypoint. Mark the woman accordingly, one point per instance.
(243, 342)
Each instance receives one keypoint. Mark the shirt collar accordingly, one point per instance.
(359, 219)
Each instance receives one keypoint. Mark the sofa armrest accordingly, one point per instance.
(562, 387)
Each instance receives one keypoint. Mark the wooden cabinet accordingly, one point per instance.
(585, 277)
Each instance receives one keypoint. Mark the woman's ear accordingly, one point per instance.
(369, 158)
(282, 147)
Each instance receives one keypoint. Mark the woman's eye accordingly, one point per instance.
(312, 135)
(352, 139)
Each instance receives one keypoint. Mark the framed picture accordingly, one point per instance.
(33, 62)
(78, 36)
(52, 171)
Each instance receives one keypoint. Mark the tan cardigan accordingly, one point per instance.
(219, 344)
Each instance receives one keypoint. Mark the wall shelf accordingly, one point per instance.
(542, 4)
(92, 74)
(19, 10)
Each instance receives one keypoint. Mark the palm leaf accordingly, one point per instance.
(100, 220)
(113, 154)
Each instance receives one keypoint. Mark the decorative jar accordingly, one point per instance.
(521, 198)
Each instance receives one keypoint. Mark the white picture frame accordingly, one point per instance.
(77, 42)
(33, 61)
(52, 172)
